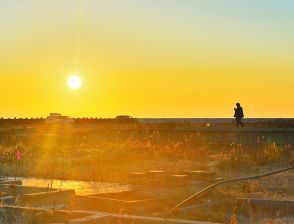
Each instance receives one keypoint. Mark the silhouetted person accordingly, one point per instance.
(239, 115)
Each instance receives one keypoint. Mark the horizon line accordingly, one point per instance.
(12, 118)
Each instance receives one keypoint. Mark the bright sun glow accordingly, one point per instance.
(74, 82)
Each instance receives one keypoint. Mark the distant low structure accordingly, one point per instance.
(125, 119)
(58, 118)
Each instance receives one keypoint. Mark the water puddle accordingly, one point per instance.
(81, 187)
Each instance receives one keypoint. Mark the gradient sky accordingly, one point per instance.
(147, 58)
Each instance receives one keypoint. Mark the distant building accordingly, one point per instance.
(58, 118)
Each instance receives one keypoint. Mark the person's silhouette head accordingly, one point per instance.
(238, 104)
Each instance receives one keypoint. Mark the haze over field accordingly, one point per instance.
(147, 58)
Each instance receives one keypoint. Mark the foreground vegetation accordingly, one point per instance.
(109, 155)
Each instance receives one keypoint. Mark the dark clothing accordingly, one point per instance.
(239, 115)
(239, 122)
(239, 112)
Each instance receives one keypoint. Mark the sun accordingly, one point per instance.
(74, 82)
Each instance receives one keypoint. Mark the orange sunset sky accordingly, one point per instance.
(147, 58)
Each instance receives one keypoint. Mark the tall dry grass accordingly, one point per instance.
(109, 155)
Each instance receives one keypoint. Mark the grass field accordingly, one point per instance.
(86, 153)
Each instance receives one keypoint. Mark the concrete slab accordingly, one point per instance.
(156, 176)
(91, 217)
(137, 178)
(129, 202)
(199, 175)
(7, 181)
(177, 180)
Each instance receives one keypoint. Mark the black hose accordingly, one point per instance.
(223, 182)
